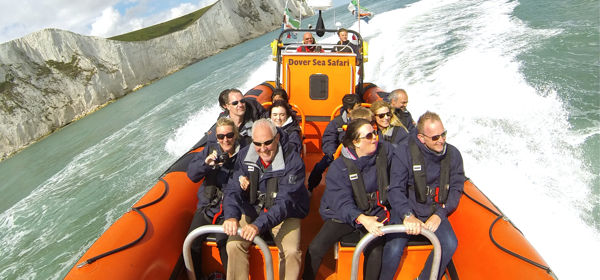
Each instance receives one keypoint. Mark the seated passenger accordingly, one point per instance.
(332, 138)
(309, 44)
(243, 112)
(267, 194)
(355, 183)
(344, 45)
(428, 183)
(399, 101)
(279, 94)
(215, 165)
(389, 127)
(282, 116)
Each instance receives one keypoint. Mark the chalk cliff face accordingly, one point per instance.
(51, 77)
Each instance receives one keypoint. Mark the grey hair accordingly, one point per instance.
(395, 93)
(268, 122)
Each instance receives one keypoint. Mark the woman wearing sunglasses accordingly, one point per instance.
(389, 127)
(215, 164)
(352, 199)
(283, 117)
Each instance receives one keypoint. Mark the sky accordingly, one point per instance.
(104, 18)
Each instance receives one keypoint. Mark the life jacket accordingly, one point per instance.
(265, 200)
(368, 201)
(212, 192)
(422, 190)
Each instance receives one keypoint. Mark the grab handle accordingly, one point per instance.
(187, 249)
(437, 252)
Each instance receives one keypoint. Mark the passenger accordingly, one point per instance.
(428, 183)
(282, 116)
(361, 113)
(344, 45)
(351, 200)
(279, 94)
(399, 100)
(269, 196)
(389, 127)
(332, 138)
(215, 165)
(309, 44)
(243, 112)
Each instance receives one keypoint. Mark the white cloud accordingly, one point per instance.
(107, 23)
(88, 17)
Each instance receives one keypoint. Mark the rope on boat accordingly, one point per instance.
(500, 216)
(146, 222)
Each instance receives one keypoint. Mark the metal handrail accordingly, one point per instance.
(437, 252)
(187, 249)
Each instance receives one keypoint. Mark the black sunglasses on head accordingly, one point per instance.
(235, 103)
(228, 135)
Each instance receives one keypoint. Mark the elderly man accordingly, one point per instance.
(267, 194)
(243, 112)
(399, 100)
(428, 183)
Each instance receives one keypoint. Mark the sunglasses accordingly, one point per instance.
(266, 143)
(235, 103)
(436, 137)
(369, 136)
(381, 116)
(228, 135)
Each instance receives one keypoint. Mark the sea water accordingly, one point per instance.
(516, 83)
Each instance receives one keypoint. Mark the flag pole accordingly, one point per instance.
(358, 14)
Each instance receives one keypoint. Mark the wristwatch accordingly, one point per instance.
(407, 214)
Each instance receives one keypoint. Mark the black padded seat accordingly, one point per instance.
(350, 240)
(267, 238)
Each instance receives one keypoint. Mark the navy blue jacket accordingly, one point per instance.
(292, 199)
(401, 136)
(198, 169)
(403, 200)
(254, 111)
(406, 119)
(338, 199)
(333, 134)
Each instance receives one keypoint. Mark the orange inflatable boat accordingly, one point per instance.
(147, 242)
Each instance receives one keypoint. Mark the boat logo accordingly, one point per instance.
(353, 177)
(416, 167)
(250, 168)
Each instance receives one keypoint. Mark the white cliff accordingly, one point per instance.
(51, 77)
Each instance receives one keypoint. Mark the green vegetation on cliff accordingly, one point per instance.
(162, 29)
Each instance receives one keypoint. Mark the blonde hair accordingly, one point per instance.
(427, 116)
(394, 121)
(228, 122)
(361, 113)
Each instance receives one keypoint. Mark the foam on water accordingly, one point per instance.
(460, 59)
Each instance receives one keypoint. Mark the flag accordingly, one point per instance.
(290, 22)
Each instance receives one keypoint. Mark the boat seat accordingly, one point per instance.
(266, 237)
(350, 240)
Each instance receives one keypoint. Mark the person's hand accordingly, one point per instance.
(433, 222)
(413, 225)
(211, 159)
(244, 182)
(249, 232)
(230, 226)
(371, 224)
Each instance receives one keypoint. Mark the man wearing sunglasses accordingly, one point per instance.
(243, 112)
(399, 100)
(266, 195)
(428, 183)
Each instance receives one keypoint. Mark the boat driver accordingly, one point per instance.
(309, 44)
